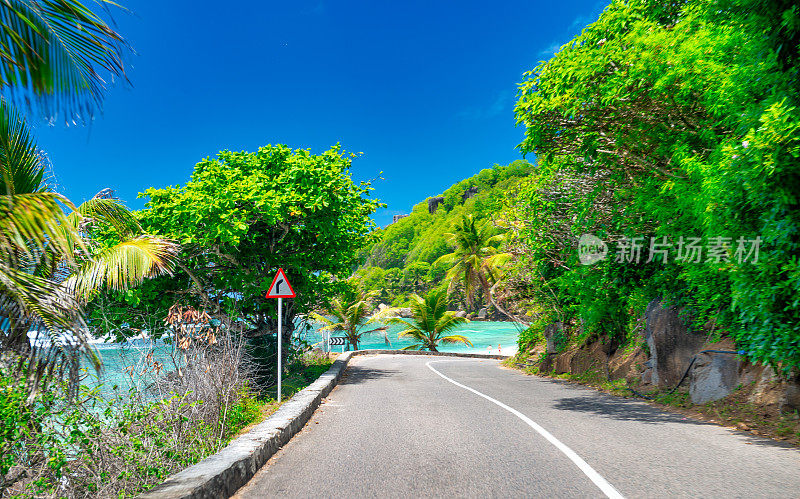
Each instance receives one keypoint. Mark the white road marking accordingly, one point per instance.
(587, 470)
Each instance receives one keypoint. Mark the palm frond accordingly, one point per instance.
(321, 318)
(499, 238)
(430, 319)
(497, 260)
(58, 54)
(377, 329)
(412, 332)
(21, 164)
(448, 259)
(382, 315)
(397, 321)
(456, 338)
(28, 298)
(124, 265)
(448, 322)
(34, 221)
(106, 211)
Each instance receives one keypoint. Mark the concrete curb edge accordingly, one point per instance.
(222, 474)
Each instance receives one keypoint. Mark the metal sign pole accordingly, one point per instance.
(280, 340)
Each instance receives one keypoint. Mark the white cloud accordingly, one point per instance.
(496, 107)
(549, 51)
(574, 28)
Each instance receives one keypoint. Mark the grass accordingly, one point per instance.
(253, 409)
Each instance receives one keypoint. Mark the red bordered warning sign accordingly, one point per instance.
(280, 287)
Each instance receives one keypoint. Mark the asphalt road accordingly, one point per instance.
(394, 427)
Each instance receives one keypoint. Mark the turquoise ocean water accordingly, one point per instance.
(481, 334)
(129, 363)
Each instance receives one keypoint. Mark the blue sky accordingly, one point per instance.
(424, 89)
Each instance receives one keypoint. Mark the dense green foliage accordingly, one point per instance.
(475, 262)
(668, 120)
(403, 260)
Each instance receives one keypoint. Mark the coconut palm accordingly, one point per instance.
(475, 261)
(351, 315)
(57, 57)
(50, 265)
(431, 322)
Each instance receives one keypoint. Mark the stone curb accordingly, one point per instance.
(222, 474)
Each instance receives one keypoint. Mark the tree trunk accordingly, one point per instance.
(353, 340)
(502, 310)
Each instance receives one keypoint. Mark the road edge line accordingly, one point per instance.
(587, 470)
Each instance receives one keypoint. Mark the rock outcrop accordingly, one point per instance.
(672, 345)
(554, 334)
(717, 370)
(770, 391)
(469, 193)
(714, 375)
(433, 204)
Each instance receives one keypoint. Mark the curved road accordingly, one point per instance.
(400, 426)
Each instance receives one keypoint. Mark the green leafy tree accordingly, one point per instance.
(431, 322)
(352, 314)
(404, 248)
(241, 217)
(476, 260)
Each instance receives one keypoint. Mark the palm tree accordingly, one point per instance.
(351, 315)
(50, 265)
(475, 260)
(431, 322)
(57, 56)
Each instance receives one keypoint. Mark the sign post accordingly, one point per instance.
(338, 340)
(275, 291)
(280, 343)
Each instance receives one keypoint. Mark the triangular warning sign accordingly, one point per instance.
(280, 287)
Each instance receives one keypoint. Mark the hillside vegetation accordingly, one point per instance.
(403, 260)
